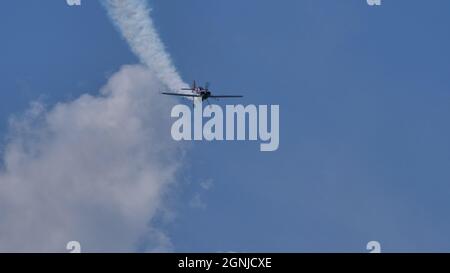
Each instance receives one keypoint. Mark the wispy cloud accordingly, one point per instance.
(197, 202)
(206, 184)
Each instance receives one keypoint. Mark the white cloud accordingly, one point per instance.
(92, 170)
(96, 169)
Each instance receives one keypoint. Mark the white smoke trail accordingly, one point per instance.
(133, 21)
(96, 169)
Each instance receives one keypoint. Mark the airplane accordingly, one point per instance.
(200, 92)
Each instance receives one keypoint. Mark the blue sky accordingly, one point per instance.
(364, 104)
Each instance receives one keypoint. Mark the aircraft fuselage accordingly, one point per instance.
(204, 94)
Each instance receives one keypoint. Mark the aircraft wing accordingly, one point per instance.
(227, 96)
(180, 94)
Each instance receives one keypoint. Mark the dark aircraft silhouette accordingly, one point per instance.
(200, 92)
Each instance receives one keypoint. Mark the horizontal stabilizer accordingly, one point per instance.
(180, 94)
